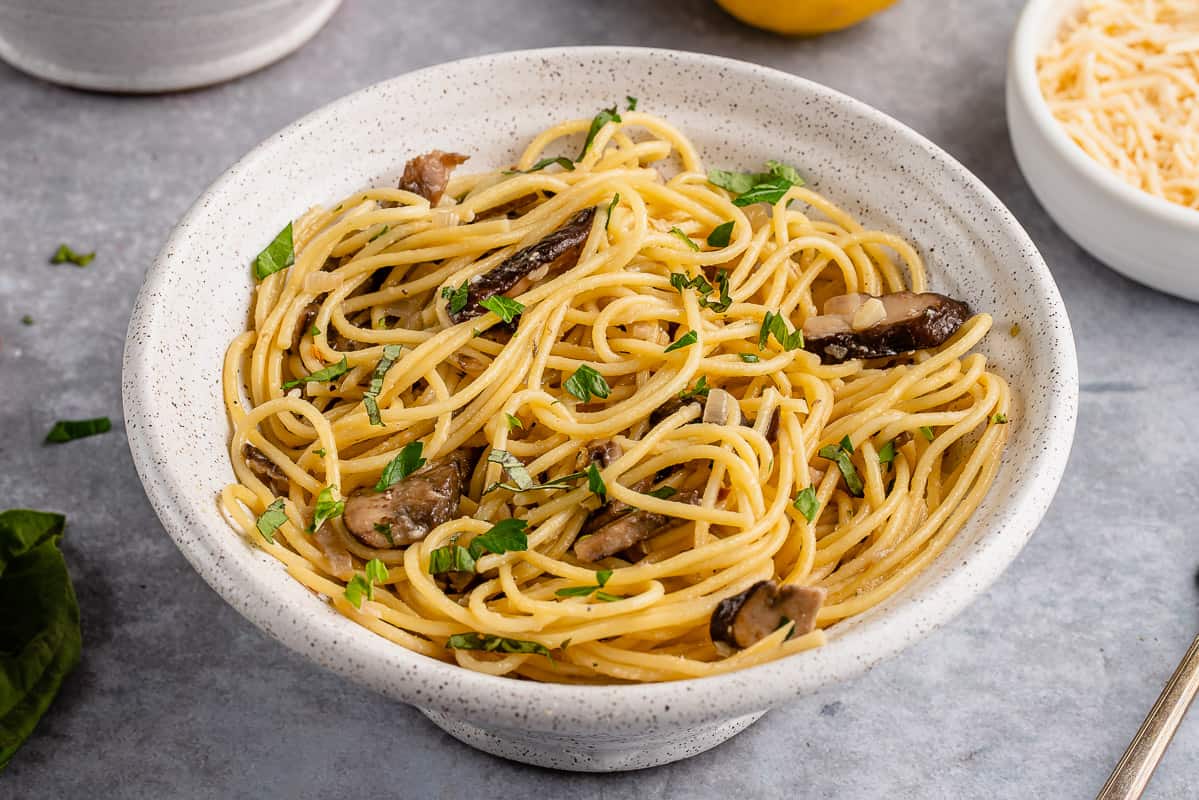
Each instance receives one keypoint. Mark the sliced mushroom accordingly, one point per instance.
(761, 609)
(266, 470)
(556, 253)
(408, 510)
(721, 408)
(304, 324)
(429, 174)
(671, 406)
(626, 531)
(864, 326)
(340, 563)
(601, 453)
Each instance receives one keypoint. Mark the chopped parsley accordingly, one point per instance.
(278, 255)
(722, 305)
(748, 358)
(382, 231)
(326, 509)
(456, 297)
(404, 464)
(807, 504)
(601, 579)
(927, 432)
(700, 389)
(561, 161)
(65, 254)
(586, 383)
(886, 453)
(632, 103)
(664, 492)
(272, 518)
(776, 325)
(595, 481)
(495, 644)
(686, 340)
(514, 467)
(514, 422)
(26, 320)
(370, 398)
(66, 430)
(322, 452)
(451, 558)
(840, 455)
(757, 187)
(999, 419)
(321, 375)
(505, 308)
(364, 585)
(315, 331)
(506, 536)
(677, 232)
(721, 234)
(699, 283)
(384, 529)
(611, 208)
(597, 123)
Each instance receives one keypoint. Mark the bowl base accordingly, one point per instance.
(592, 753)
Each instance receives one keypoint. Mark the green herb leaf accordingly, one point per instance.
(663, 492)
(807, 504)
(686, 340)
(40, 640)
(886, 453)
(682, 282)
(404, 464)
(611, 208)
(586, 383)
(597, 123)
(722, 305)
(385, 529)
(369, 398)
(514, 422)
(700, 389)
(575, 591)
(356, 589)
(840, 455)
(999, 419)
(65, 254)
(326, 509)
(561, 161)
(514, 467)
(632, 101)
(279, 254)
(376, 571)
(609, 598)
(601, 579)
(748, 358)
(721, 235)
(927, 432)
(757, 187)
(456, 297)
(507, 535)
(66, 430)
(451, 558)
(271, 519)
(776, 325)
(565, 482)
(495, 644)
(602, 576)
(685, 238)
(505, 308)
(735, 182)
(315, 331)
(846, 444)
(322, 452)
(321, 375)
(382, 231)
(26, 320)
(595, 481)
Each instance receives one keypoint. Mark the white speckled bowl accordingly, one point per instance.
(196, 295)
(153, 45)
(1146, 238)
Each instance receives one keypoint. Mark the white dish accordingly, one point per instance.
(1142, 236)
(153, 45)
(196, 296)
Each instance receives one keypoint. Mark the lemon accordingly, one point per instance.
(803, 16)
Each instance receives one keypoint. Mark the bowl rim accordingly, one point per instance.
(353, 648)
(1030, 34)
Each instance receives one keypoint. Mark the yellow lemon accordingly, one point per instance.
(803, 16)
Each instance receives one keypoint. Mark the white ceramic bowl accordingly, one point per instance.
(153, 45)
(197, 293)
(1142, 236)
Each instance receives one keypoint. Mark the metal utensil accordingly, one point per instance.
(1130, 777)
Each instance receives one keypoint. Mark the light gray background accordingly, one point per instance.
(1031, 693)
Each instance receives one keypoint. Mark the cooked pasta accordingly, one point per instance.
(561, 422)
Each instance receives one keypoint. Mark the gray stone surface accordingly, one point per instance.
(1031, 693)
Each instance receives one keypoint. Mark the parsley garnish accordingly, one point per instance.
(514, 422)
(364, 585)
(561, 161)
(26, 320)
(664, 492)
(384, 528)
(315, 331)
(586, 383)
(64, 254)
(271, 520)
(684, 237)
(505, 308)
(682, 282)
(369, 399)
(322, 452)
(776, 324)
(807, 504)
(380, 233)
(321, 375)
(927, 432)
(757, 187)
(514, 467)
(506, 536)
(601, 579)
(611, 208)
(279, 254)
(66, 430)
(632, 101)
(748, 358)
(451, 558)
(721, 234)
(886, 453)
(722, 305)
(686, 340)
(457, 297)
(597, 123)
(701, 389)
(999, 419)
(404, 464)
(495, 644)
(839, 454)
(326, 509)
(595, 481)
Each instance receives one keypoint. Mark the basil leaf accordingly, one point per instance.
(390, 353)
(65, 254)
(66, 430)
(356, 589)
(721, 234)
(595, 481)
(404, 464)
(807, 504)
(601, 579)
(456, 297)
(748, 358)
(505, 308)
(451, 558)
(507, 535)
(757, 187)
(376, 571)
(575, 591)
(326, 508)
(927, 432)
(514, 422)
(561, 161)
(514, 467)
(722, 305)
(602, 576)
(314, 331)
(701, 389)
(681, 282)
(597, 123)
(664, 492)
(632, 101)
(776, 325)
(321, 375)
(609, 598)
(686, 340)
(586, 382)
(735, 182)
(279, 254)
(273, 517)
(685, 238)
(839, 454)
(611, 208)
(846, 443)
(494, 644)
(886, 453)
(40, 641)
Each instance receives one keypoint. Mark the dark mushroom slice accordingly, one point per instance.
(556, 253)
(304, 323)
(429, 174)
(408, 510)
(603, 452)
(266, 470)
(626, 531)
(866, 326)
(671, 406)
(761, 609)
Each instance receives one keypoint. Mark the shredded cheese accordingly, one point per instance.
(1123, 80)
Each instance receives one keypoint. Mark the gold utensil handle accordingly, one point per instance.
(1131, 775)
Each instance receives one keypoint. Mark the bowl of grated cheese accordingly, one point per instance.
(1103, 113)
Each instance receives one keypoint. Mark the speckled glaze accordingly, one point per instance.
(195, 298)
(153, 45)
